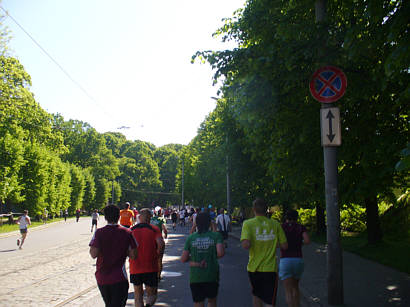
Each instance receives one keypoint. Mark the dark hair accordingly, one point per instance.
(112, 214)
(292, 215)
(203, 220)
(260, 206)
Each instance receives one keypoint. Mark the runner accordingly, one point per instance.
(193, 218)
(110, 272)
(94, 218)
(135, 219)
(160, 222)
(182, 217)
(261, 236)
(223, 224)
(291, 264)
(144, 269)
(174, 218)
(23, 221)
(45, 216)
(202, 249)
(65, 215)
(77, 214)
(126, 216)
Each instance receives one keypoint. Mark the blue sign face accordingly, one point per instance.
(328, 84)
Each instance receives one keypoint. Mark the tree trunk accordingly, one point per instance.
(320, 219)
(374, 231)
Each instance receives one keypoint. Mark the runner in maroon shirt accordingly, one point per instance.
(291, 264)
(111, 275)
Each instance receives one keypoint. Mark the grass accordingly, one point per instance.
(392, 251)
(8, 228)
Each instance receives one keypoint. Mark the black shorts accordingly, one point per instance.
(115, 294)
(224, 234)
(264, 286)
(23, 230)
(94, 222)
(148, 279)
(202, 290)
(126, 226)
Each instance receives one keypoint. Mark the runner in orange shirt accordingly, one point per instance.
(126, 216)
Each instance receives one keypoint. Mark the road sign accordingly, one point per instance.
(330, 127)
(328, 84)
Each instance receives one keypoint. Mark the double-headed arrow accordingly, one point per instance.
(330, 116)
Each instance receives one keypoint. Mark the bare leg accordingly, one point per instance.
(23, 238)
(297, 293)
(200, 304)
(257, 302)
(138, 296)
(212, 302)
(292, 291)
(151, 295)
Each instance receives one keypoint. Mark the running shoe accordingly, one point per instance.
(18, 242)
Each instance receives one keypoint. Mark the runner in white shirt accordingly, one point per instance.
(23, 221)
(223, 225)
(94, 219)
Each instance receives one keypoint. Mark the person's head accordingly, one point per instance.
(222, 211)
(25, 212)
(259, 206)
(292, 215)
(95, 210)
(112, 214)
(145, 215)
(203, 221)
(127, 205)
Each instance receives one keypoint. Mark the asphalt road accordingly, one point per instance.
(174, 288)
(55, 269)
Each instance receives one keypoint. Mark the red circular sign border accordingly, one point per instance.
(338, 72)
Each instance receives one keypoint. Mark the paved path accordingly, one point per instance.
(54, 269)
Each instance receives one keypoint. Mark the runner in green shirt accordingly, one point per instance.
(159, 221)
(261, 236)
(202, 249)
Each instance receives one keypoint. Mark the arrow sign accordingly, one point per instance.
(330, 126)
(329, 116)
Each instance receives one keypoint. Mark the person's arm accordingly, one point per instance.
(306, 238)
(165, 230)
(160, 244)
(94, 252)
(220, 250)
(185, 256)
(283, 245)
(28, 220)
(282, 242)
(193, 228)
(246, 244)
(133, 253)
(18, 220)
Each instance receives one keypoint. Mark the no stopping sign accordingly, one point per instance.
(328, 84)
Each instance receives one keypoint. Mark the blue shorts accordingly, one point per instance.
(291, 267)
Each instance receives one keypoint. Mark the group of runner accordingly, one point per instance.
(141, 238)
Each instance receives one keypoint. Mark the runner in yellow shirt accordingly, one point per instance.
(261, 236)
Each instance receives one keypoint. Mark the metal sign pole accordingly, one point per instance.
(334, 250)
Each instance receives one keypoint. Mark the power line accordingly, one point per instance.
(55, 62)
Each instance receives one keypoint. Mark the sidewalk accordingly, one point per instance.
(366, 283)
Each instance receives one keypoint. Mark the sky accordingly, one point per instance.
(130, 61)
